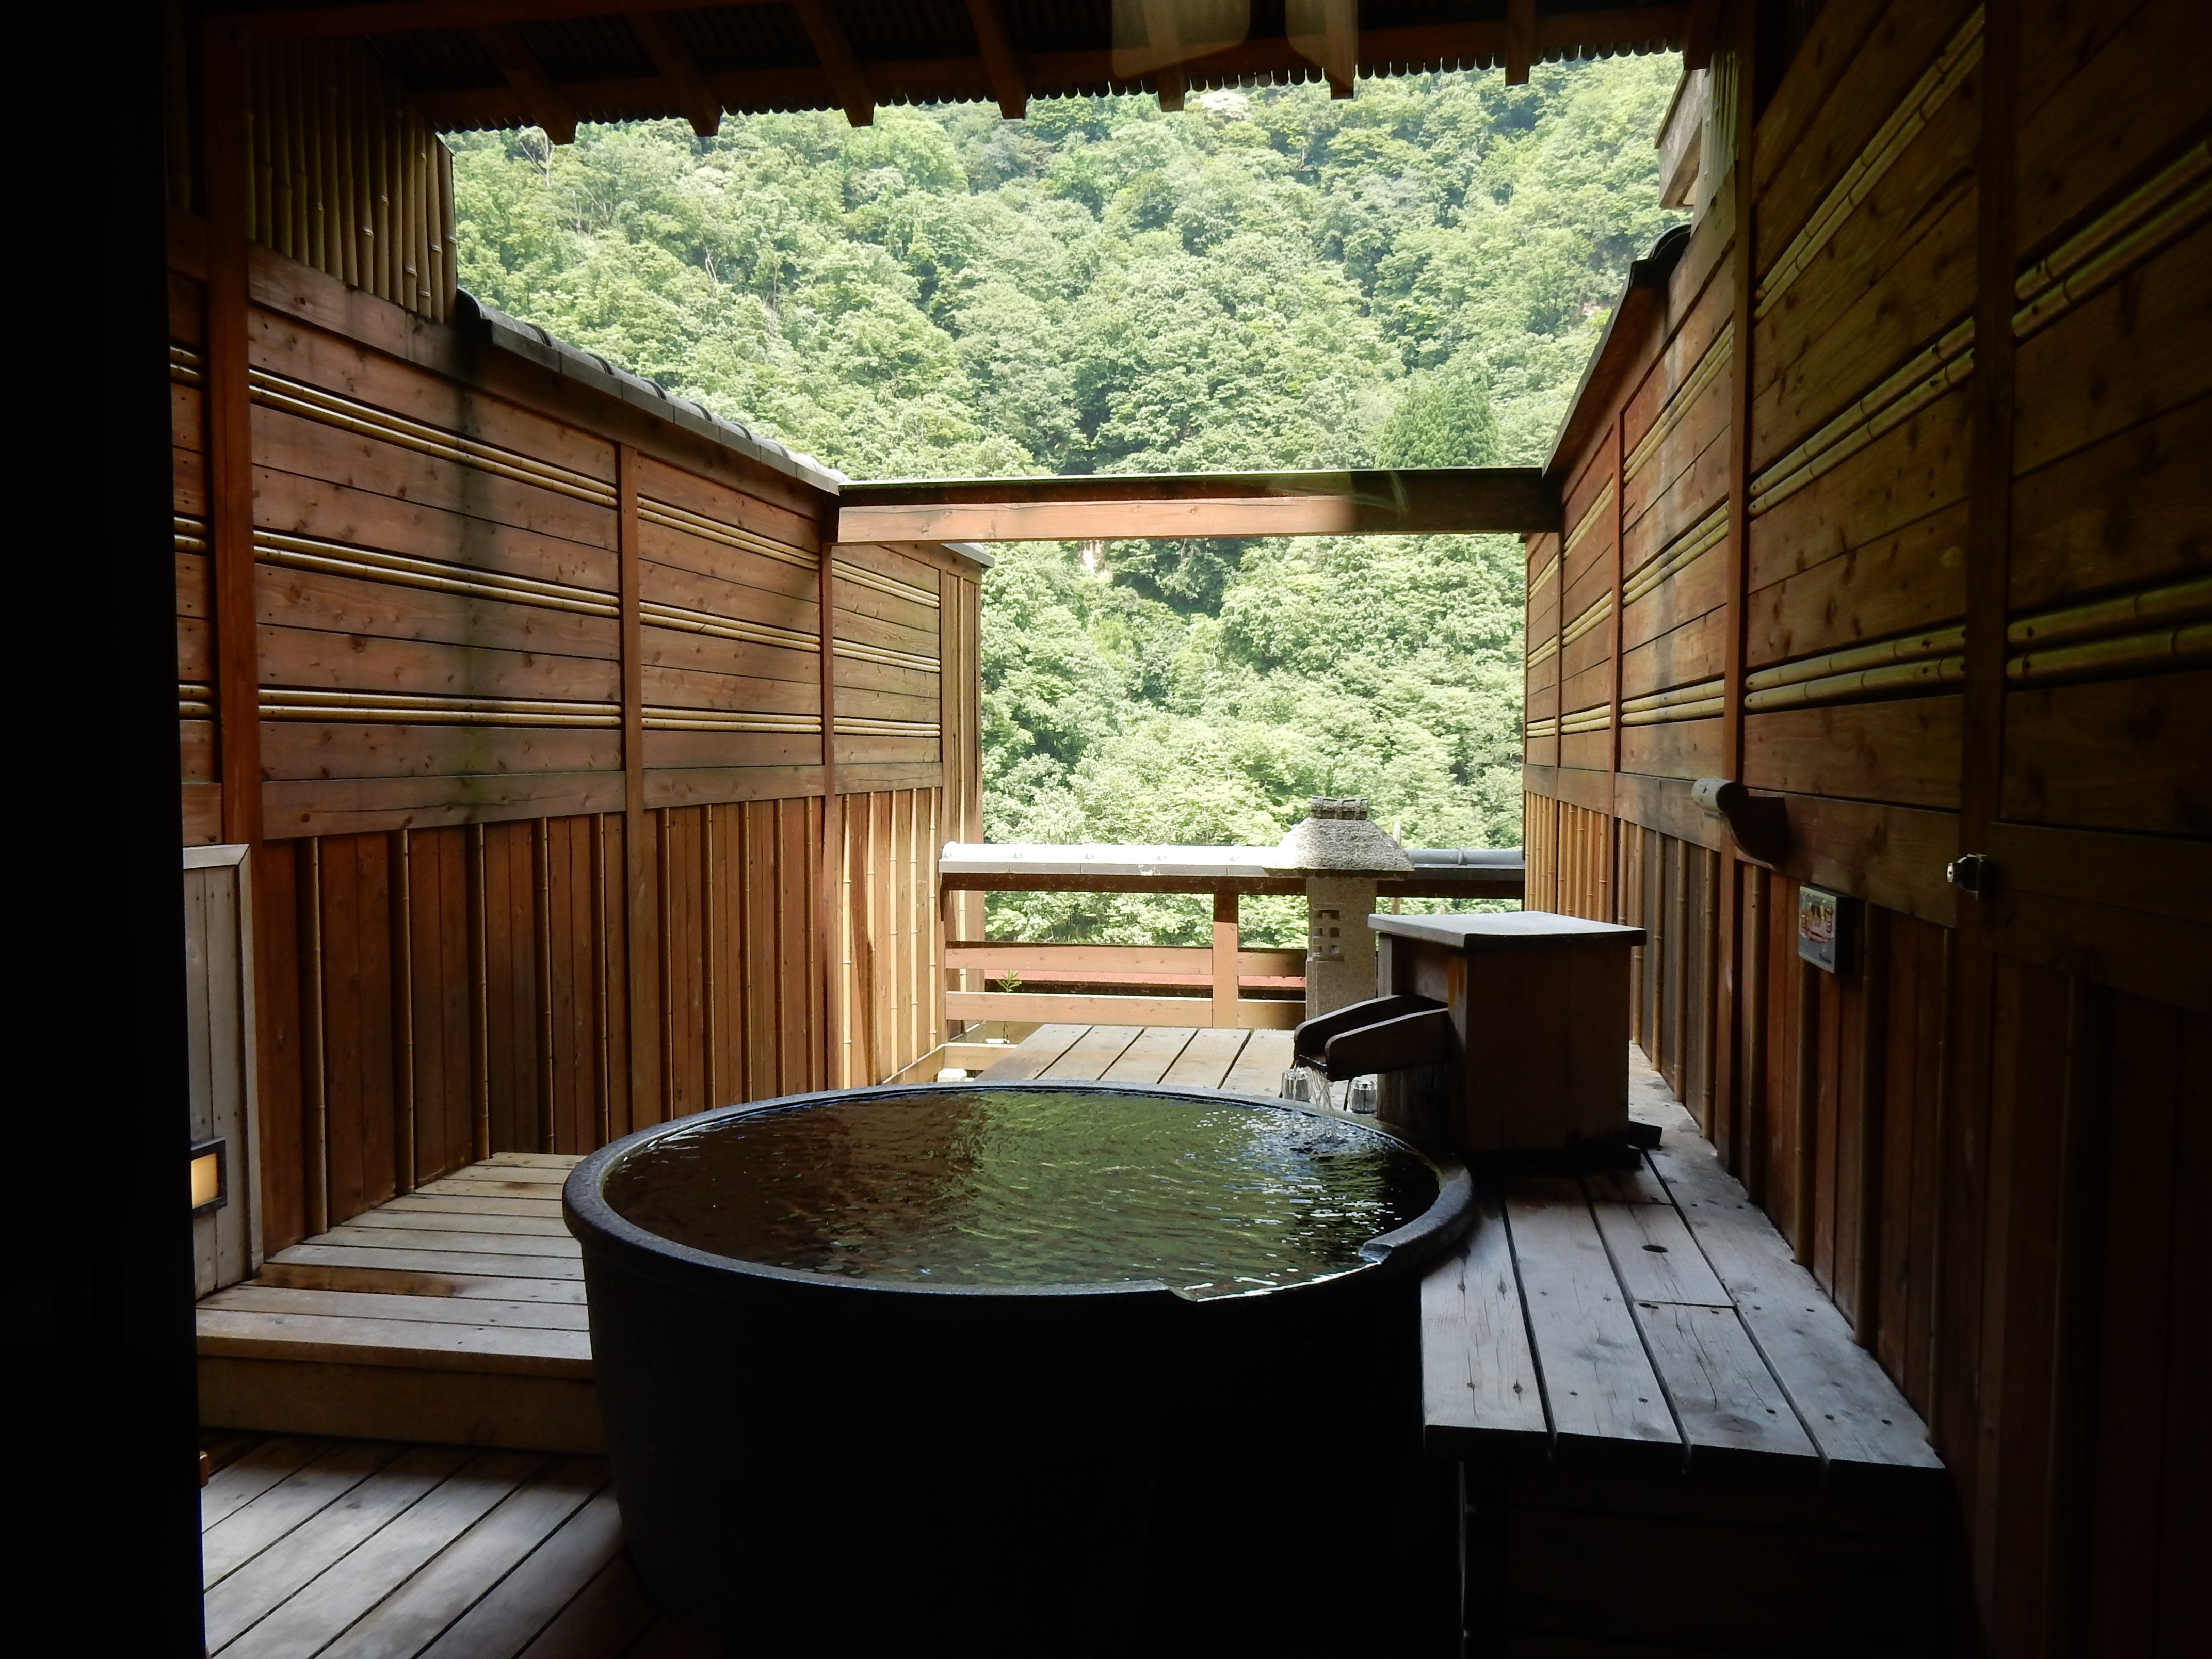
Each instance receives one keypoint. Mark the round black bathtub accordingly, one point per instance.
(1033, 1367)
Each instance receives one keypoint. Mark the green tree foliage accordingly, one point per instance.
(1414, 277)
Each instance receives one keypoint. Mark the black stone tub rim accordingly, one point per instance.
(592, 1220)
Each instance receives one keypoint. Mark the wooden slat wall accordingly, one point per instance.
(1980, 1138)
(539, 680)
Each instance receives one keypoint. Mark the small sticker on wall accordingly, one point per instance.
(1826, 924)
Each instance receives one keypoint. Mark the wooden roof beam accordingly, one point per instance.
(1699, 28)
(1007, 85)
(520, 67)
(848, 82)
(411, 16)
(1519, 40)
(1165, 38)
(693, 95)
(1433, 500)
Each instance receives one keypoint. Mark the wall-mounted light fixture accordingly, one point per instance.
(210, 1176)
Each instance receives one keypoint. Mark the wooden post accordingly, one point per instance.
(1225, 945)
(831, 873)
(1739, 1040)
(1806, 1113)
(640, 954)
(230, 439)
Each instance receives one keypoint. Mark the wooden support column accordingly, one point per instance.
(230, 439)
(642, 951)
(1226, 943)
(1970, 1418)
(830, 875)
(1739, 1034)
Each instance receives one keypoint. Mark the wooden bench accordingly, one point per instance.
(1636, 1377)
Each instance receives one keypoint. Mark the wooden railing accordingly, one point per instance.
(1200, 986)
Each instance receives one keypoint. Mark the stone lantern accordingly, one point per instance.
(1341, 853)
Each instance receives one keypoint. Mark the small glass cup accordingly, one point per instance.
(1362, 1096)
(1297, 1084)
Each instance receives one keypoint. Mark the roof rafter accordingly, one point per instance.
(1699, 30)
(520, 67)
(848, 80)
(1165, 38)
(1519, 40)
(1007, 85)
(693, 95)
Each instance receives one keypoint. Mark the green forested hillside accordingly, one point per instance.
(1272, 278)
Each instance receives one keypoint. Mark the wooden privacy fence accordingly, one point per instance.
(582, 781)
(1882, 499)
(1185, 986)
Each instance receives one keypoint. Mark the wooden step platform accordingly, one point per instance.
(362, 1549)
(1634, 1373)
(453, 1314)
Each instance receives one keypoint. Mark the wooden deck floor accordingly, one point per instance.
(316, 1548)
(1241, 1062)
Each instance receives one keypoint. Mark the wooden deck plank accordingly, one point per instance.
(1205, 1060)
(526, 1604)
(490, 1186)
(365, 1304)
(319, 1546)
(398, 1547)
(1655, 1256)
(562, 1162)
(239, 1334)
(539, 1168)
(437, 1593)
(1039, 1050)
(1089, 1054)
(1147, 1059)
(421, 1203)
(606, 1615)
(238, 1483)
(389, 1280)
(1260, 1065)
(1478, 1371)
(393, 1214)
(233, 1541)
(433, 1261)
(1726, 1398)
(1859, 1420)
(1602, 1394)
(425, 1238)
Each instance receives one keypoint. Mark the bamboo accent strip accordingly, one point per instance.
(313, 404)
(860, 652)
(1702, 691)
(1910, 647)
(709, 720)
(2145, 221)
(1893, 679)
(1591, 514)
(184, 366)
(726, 628)
(1678, 406)
(1549, 572)
(897, 589)
(670, 516)
(195, 701)
(1925, 377)
(1547, 727)
(1700, 538)
(1600, 609)
(189, 534)
(850, 726)
(409, 708)
(1705, 709)
(1550, 644)
(1597, 718)
(1891, 140)
(2167, 648)
(2177, 602)
(304, 553)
